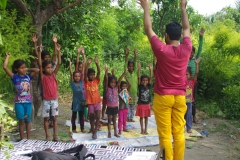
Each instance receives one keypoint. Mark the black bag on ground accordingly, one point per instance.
(75, 153)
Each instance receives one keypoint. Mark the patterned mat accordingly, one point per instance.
(133, 138)
(101, 152)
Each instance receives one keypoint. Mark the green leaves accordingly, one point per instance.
(3, 4)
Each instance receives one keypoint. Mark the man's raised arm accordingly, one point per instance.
(185, 21)
(147, 19)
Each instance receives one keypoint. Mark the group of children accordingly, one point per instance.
(120, 98)
(118, 95)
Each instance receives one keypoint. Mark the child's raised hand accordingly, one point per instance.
(79, 49)
(198, 60)
(34, 38)
(89, 60)
(54, 38)
(183, 4)
(70, 62)
(112, 71)
(201, 32)
(127, 51)
(150, 66)
(58, 47)
(96, 59)
(83, 52)
(105, 68)
(135, 51)
(8, 55)
(139, 65)
(40, 48)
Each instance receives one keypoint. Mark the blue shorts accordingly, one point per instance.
(23, 111)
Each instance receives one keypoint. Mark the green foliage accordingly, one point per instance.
(16, 36)
(231, 102)
(219, 72)
(3, 3)
(6, 122)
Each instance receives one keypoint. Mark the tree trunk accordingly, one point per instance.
(36, 83)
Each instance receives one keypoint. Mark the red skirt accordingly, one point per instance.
(143, 110)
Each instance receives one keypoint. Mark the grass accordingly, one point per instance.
(235, 123)
(219, 128)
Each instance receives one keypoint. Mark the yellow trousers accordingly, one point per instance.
(169, 113)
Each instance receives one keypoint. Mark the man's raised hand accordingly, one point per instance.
(183, 4)
(144, 3)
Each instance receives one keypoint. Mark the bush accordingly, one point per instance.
(231, 102)
(16, 37)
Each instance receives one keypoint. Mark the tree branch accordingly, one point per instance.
(69, 6)
(37, 7)
(22, 7)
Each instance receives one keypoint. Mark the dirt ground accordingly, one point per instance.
(222, 143)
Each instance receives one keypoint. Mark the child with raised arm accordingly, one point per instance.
(23, 98)
(45, 56)
(50, 92)
(191, 82)
(124, 99)
(169, 103)
(191, 63)
(133, 79)
(78, 102)
(144, 98)
(104, 100)
(79, 66)
(112, 100)
(93, 95)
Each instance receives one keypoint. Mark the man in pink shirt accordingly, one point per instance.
(169, 104)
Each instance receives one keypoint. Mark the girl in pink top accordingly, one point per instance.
(50, 92)
(112, 100)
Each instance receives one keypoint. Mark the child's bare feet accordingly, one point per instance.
(116, 135)
(189, 131)
(146, 133)
(86, 120)
(74, 131)
(47, 138)
(83, 131)
(125, 130)
(55, 139)
(94, 136)
(109, 135)
(90, 131)
(142, 132)
(99, 126)
(119, 132)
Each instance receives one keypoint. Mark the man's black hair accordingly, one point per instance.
(174, 30)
